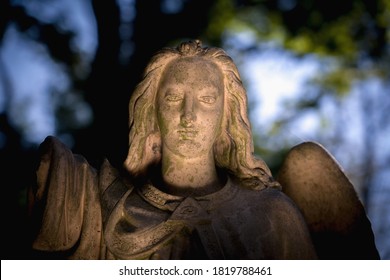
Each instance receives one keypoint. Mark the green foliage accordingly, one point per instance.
(221, 15)
(352, 41)
(351, 31)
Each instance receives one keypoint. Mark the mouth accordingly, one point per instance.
(187, 134)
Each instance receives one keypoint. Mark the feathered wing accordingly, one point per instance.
(336, 218)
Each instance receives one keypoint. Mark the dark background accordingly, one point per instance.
(355, 33)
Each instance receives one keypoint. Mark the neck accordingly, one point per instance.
(190, 176)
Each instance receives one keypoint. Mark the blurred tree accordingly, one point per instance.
(354, 34)
(352, 37)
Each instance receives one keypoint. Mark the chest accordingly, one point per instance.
(189, 230)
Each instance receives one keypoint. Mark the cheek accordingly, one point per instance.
(217, 123)
(161, 120)
(212, 124)
(215, 117)
(165, 118)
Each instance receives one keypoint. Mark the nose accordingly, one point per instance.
(188, 115)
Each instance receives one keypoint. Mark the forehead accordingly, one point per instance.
(192, 70)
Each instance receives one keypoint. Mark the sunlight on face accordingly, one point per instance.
(190, 106)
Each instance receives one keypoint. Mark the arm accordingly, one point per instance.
(64, 204)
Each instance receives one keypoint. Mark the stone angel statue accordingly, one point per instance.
(191, 187)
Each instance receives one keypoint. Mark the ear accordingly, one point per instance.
(152, 149)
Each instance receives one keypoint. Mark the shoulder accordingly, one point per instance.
(269, 198)
(280, 222)
(273, 205)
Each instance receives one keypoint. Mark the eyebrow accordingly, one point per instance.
(213, 91)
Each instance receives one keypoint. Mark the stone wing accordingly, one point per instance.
(336, 217)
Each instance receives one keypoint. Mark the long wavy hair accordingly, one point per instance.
(233, 149)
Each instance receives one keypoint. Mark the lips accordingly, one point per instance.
(187, 134)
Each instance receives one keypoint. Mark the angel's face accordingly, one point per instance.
(190, 106)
